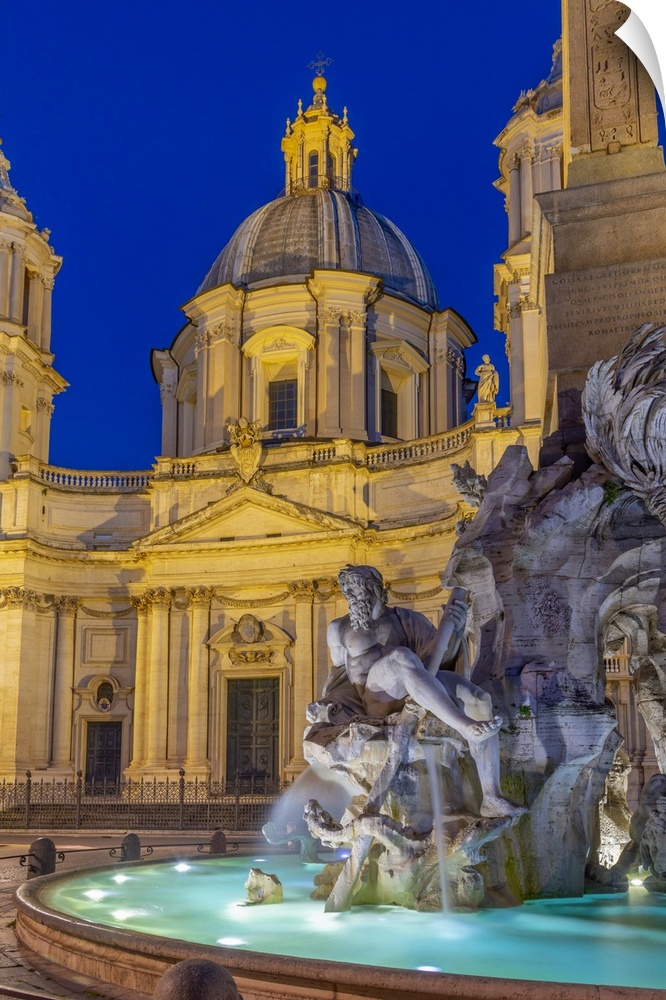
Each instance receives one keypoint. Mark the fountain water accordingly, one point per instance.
(432, 752)
(128, 918)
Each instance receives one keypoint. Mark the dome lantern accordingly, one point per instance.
(317, 145)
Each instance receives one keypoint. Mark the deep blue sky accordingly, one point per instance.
(142, 133)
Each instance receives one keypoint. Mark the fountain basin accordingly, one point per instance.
(158, 898)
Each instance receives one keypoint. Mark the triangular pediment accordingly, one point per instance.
(247, 515)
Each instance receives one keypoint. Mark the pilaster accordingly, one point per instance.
(515, 223)
(35, 303)
(303, 592)
(10, 384)
(26, 678)
(17, 282)
(196, 762)
(45, 338)
(159, 601)
(61, 744)
(526, 189)
(141, 606)
(45, 410)
(5, 272)
(329, 375)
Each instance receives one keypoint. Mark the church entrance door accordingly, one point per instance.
(103, 752)
(253, 712)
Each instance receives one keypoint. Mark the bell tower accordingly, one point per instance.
(317, 146)
(28, 382)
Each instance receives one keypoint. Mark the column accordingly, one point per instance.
(9, 382)
(35, 296)
(328, 361)
(303, 592)
(356, 415)
(526, 190)
(61, 745)
(515, 229)
(201, 354)
(158, 679)
(5, 267)
(224, 381)
(47, 295)
(12, 752)
(142, 606)
(301, 163)
(16, 285)
(169, 416)
(517, 360)
(197, 684)
(287, 176)
(43, 428)
(535, 373)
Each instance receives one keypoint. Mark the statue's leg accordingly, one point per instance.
(401, 673)
(477, 704)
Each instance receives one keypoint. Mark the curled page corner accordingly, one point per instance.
(645, 34)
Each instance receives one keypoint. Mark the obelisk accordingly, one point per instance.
(608, 224)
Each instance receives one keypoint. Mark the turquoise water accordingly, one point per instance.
(607, 940)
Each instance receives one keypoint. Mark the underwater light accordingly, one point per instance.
(95, 894)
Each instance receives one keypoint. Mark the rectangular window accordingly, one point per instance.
(282, 405)
(313, 170)
(389, 413)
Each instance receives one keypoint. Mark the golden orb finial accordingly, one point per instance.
(319, 84)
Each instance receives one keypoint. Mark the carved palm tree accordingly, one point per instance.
(624, 409)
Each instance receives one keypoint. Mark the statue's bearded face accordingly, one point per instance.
(361, 598)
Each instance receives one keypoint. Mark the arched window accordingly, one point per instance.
(105, 696)
(279, 365)
(313, 170)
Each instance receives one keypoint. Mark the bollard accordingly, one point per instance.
(130, 848)
(196, 979)
(43, 857)
(218, 843)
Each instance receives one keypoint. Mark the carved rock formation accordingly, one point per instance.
(393, 851)
(545, 582)
(262, 888)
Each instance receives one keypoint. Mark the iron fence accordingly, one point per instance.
(244, 803)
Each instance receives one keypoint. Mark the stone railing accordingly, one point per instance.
(617, 665)
(92, 481)
(414, 451)
(293, 453)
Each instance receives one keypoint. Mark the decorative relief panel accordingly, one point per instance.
(105, 646)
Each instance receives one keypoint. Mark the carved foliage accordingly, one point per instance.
(624, 410)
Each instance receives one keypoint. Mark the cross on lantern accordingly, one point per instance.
(320, 63)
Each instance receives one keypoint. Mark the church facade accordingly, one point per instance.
(313, 404)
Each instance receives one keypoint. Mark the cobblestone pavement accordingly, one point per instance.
(26, 976)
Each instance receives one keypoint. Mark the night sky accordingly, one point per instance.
(143, 133)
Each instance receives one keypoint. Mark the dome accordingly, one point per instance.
(321, 228)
